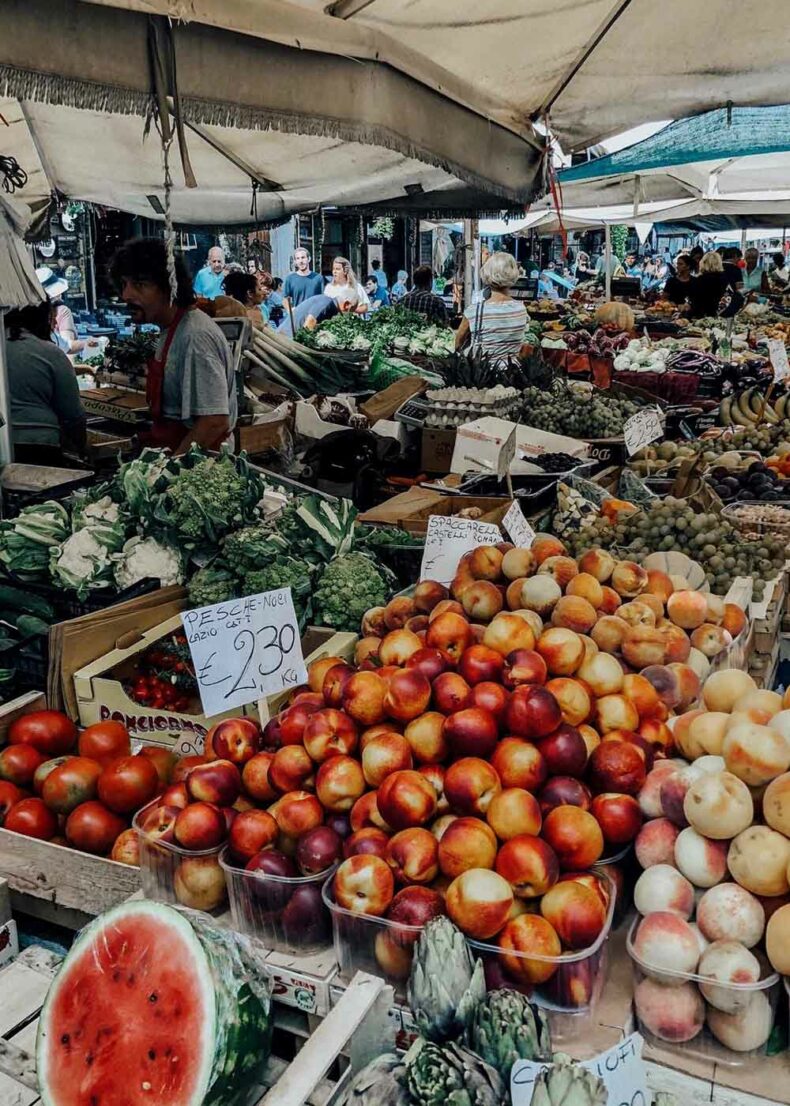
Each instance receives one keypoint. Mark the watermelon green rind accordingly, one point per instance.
(210, 1014)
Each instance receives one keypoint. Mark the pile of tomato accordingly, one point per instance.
(166, 679)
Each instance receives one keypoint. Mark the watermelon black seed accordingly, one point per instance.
(89, 1058)
(151, 1054)
(94, 1100)
(64, 1040)
(153, 997)
(116, 975)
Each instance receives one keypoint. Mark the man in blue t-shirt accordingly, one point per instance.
(302, 283)
(208, 282)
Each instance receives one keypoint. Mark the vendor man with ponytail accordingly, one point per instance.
(190, 385)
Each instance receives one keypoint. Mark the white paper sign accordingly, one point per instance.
(245, 649)
(641, 429)
(621, 1068)
(506, 455)
(778, 354)
(516, 525)
(447, 539)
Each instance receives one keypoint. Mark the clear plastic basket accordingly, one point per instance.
(286, 914)
(577, 980)
(181, 877)
(365, 943)
(753, 1003)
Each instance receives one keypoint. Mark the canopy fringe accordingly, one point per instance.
(25, 84)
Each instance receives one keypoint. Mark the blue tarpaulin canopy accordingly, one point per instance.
(714, 136)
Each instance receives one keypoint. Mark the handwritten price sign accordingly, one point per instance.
(621, 1068)
(517, 526)
(245, 649)
(778, 354)
(447, 539)
(641, 429)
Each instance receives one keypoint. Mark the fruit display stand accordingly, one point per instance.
(54, 882)
(767, 616)
(355, 1031)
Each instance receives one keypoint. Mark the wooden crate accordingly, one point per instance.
(54, 882)
(326, 1056)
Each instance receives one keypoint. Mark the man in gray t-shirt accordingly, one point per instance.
(193, 394)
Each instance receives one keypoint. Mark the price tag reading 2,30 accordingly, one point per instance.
(641, 429)
(245, 649)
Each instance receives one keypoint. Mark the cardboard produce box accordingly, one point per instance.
(101, 695)
(436, 450)
(413, 508)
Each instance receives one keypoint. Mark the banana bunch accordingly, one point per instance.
(746, 408)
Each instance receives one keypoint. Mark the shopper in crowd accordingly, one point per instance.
(191, 385)
(401, 286)
(779, 275)
(732, 259)
(343, 279)
(496, 326)
(377, 294)
(208, 282)
(584, 270)
(303, 282)
(422, 300)
(316, 310)
(64, 329)
(755, 278)
(379, 274)
(615, 267)
(708, 288)
(274, 304)
(678, 286)
(46, 413)
(631, 266)
(547, 289)
(248, 291)
(696, 253)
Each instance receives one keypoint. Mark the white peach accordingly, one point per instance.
(702, 861)
(664, 888)
(728, 912)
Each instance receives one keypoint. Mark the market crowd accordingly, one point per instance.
(190, 381)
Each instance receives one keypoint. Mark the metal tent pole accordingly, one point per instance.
(6, 452)
(607, 258)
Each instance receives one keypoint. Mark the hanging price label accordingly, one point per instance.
(506, 455)
(517, 526)
(446, 541)
(778, 354)
(621, 1068)
(245, 649)
(641, 429)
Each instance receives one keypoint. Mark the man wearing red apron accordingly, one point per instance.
(190, 384)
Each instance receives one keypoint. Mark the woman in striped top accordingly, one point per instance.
(496, 325)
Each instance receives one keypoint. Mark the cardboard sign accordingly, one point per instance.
(516, 525)
(641, 429)
(778, 354)
(245, 649)
(447, 539)
(621, 1068)
(506, 455)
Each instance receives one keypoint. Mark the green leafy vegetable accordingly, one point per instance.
(26, 541)
(350, 585)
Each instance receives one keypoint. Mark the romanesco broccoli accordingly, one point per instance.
(253, 547)
(210, 585)
(350, 585)
(287, 572)
(210, 498)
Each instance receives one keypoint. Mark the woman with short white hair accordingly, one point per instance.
(497, 325)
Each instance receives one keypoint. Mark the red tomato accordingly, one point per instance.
(105, 742)
(70, 784)
(93, 828)
(128, 783)
(49, 731)
(9, 795)
(44, 770)
(18, 763)
(32, 818)
(164, 760)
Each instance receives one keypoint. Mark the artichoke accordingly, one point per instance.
(378, 1084)
(505, 1027)
(448, 1075)
(445, 984)
(568, 1084)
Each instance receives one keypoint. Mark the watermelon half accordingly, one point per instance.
(154, 1006)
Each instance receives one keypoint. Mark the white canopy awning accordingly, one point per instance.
(19, 285)
(594, 67)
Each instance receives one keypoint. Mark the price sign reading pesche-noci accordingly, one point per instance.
(245, 649)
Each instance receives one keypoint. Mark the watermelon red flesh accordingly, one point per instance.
(157, 1006)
